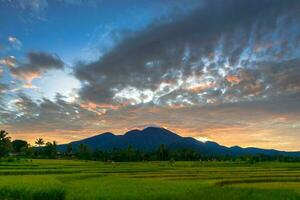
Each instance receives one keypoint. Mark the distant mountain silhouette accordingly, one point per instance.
(150, 138)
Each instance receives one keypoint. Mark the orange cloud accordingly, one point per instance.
(99, 109)
(28, 76)
(8, 61)
(233, 79)
(201, 87)
(29, 86)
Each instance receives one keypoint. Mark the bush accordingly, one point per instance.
(29, 194)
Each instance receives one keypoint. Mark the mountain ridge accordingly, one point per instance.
(150, 138)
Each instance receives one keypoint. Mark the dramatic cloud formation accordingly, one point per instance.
(223, 51)
(37, 64)
(266, 123)
(63, 120)
(225, 70)
(48, 116)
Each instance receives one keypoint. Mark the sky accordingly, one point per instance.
(221, 70)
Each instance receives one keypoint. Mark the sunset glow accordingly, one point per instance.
(224, 72)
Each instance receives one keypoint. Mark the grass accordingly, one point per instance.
(76, 180)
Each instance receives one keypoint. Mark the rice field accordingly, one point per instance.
(75, 180)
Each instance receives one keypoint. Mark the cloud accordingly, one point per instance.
(3, 88)
(227, 71)
(8, 61)
(15, 42)
(92, 3)
(28, 10)
(206, 56)
(37, 64)
(260, 123)
(37, 7)
(33, 5)
(46, 115)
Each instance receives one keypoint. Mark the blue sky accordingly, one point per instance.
(74, 30)
(207, 69)
(68, 28)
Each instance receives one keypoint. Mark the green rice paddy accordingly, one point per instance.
(74, 180)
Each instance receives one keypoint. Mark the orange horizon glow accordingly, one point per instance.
(222, 138)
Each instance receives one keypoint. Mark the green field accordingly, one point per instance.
(66, 179)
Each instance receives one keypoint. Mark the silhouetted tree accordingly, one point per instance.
(29, 151)
(19, 146)
(40, 142)
(50, 149)
(185, 154)
(162, 153)
(5, 144)
(83, 152)
(130, 154)
(100, 155)
(69, 149)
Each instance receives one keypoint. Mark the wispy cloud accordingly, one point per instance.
(15, 42)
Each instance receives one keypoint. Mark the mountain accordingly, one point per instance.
(150, 138)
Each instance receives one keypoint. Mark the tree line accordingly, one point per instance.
(23, 148)
(42, 149)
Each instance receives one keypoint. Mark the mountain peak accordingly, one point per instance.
(150, 138)
(102, 135)
(107, 133)
(149, 128)
(156, 132)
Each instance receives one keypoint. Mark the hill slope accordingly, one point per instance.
(150, 138)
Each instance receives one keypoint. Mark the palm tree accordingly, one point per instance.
(5, 144)
(40, 142)
(3, 135)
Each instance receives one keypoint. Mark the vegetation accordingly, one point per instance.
(21, 148)
(5, 143)
(40, 142)
(79, 180)
(132, 174)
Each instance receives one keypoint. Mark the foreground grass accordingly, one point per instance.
(72, 180)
